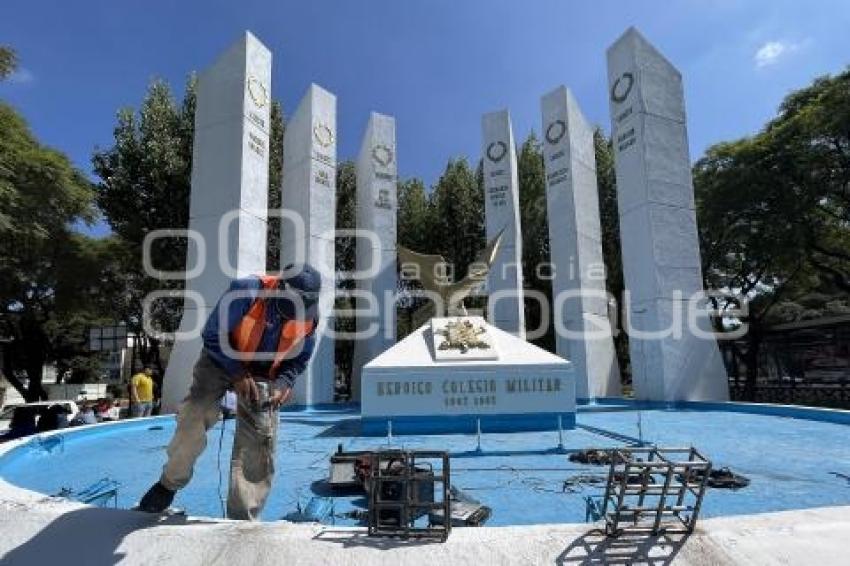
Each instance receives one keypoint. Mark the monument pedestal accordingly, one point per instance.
(520, 388)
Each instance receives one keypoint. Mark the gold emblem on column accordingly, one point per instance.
(382, 154)
(258, 92)
(323, 135)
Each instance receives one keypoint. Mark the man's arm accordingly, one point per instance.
(291, 368)
(134, 395)
(217, 329)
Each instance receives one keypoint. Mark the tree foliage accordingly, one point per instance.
(145, 183)
(275, 185)
(414, 215)
(774, 208)
(8, 61)
(457, 231)
(47, 270)
(145, 177)
(534, 222)
(774, 214)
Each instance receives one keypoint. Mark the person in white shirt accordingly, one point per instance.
(228, 405)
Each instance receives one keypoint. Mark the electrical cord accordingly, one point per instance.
(220, 445)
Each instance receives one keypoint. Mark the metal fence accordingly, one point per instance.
(801, 363)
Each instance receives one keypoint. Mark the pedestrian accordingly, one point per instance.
(85, 416)
(228, 405)
(141, 393)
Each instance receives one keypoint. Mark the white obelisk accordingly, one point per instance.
(501, 208)
(376, 213)
(575, 247)
(230, 168)
(309, 191)
(660, 246)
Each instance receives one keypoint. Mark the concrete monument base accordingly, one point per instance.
(406, 390)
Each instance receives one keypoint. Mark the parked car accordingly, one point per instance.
(41, 406)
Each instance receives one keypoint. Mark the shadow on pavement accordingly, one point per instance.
(349, 539)
(594, 547)
(91, 535)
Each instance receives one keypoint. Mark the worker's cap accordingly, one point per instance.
(306, 281)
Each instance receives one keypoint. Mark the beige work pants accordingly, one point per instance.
(252, 463)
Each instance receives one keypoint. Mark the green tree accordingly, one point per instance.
(89, 290)
(774, 212)
(810, 143)
(346, 202)
(415, 223)
(749, 246)
(449, 221)
(8, 61)
(457, 227)
(414, 215)
(145, 183)
(275, 185)
(609, 220)
(41, 195)
(535, 233)
(346, 206)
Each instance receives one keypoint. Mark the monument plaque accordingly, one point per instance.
(409, 386)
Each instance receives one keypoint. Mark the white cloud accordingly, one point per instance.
(770, 53)
(21, 76)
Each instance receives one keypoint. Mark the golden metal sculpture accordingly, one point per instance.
(433, 275)
(462, 335)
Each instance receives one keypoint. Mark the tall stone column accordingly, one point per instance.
(309, 191)
(376, 212)
(501, 209)
(660, 247)
(575, 247)
(230, 168)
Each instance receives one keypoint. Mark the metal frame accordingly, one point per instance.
(408, 508)
(786, 371)
(670, 483)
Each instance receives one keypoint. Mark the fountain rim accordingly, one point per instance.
(607, 404)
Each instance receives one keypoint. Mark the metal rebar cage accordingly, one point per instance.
(648, 485)
(404, 486)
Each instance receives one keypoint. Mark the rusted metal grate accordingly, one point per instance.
(404, 487)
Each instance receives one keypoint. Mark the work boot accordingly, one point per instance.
(157, 499)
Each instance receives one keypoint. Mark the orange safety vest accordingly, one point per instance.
(246, 336)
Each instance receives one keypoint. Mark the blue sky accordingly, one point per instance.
(435, 65)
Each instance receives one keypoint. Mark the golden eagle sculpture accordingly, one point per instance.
(431, 271)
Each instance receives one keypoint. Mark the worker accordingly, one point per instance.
(259, 337)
